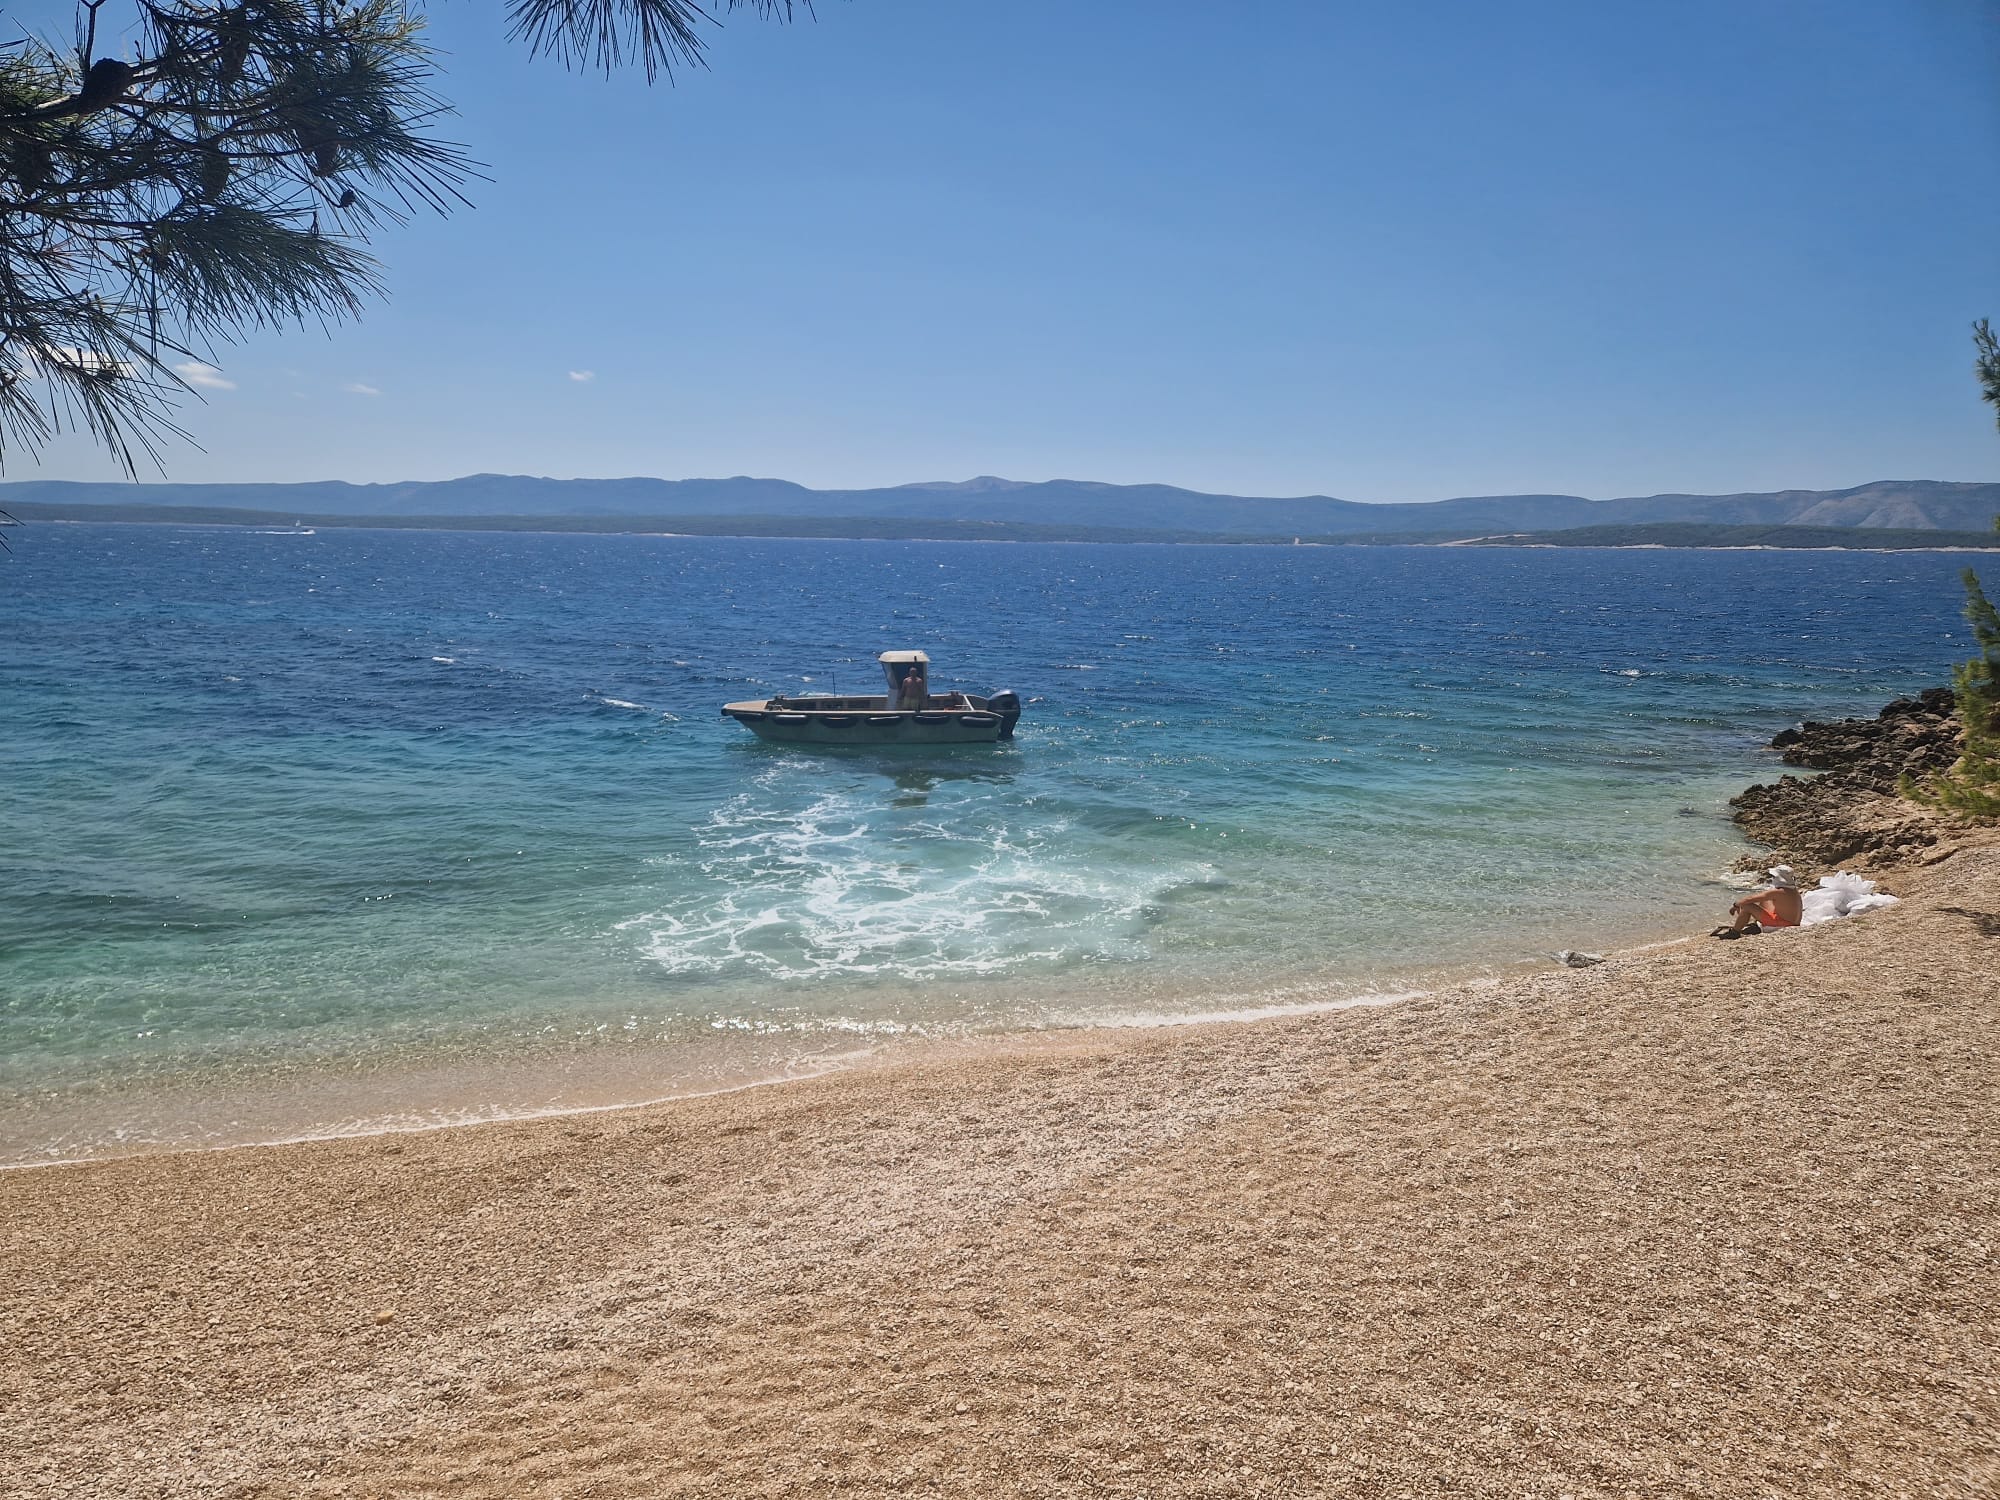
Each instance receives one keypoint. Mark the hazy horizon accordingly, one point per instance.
(10, 480)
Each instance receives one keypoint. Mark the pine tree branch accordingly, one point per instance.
(230, 179)
(149, 208)
(1986, 366)
(659, 35)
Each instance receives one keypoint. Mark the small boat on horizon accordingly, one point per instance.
(908, 714)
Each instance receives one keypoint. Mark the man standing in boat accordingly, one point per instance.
(915, 689)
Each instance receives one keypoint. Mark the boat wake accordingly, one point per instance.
(852, 888)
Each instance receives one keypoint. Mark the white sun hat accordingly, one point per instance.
(1784, 875)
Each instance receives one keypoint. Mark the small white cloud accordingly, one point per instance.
(75, 362)
(207, 377)
(356, 388)
(583, 377)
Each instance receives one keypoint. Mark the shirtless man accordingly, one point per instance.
(1780, 905)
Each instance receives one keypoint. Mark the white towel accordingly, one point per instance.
(1842, 894)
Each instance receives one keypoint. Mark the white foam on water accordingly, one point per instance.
(793, 1026)
(1270, 1005)
(844, 888)
(621, 703)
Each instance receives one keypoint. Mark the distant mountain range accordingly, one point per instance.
(1916, 504)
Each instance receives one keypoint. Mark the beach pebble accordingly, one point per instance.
(385, 1316)
(1569, 958)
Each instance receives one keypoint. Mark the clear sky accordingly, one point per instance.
(1378, 251)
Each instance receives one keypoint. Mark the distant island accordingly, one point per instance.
(1895, 515)
(988, 507)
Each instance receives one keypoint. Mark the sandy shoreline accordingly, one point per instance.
(400, 1095)
(1717, 1219)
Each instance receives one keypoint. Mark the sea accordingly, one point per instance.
(311, 833)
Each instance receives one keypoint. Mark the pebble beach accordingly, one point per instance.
(1710, 1219)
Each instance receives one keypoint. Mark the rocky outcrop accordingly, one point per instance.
(1911, 737)
(1851, 814)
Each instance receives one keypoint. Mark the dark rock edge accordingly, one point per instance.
(1852, 812)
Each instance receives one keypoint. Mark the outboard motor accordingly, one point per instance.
(1007, 704)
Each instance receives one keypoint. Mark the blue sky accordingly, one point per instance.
(1384, 252)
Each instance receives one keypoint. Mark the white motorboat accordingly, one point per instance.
(908, 714)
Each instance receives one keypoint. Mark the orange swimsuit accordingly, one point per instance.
(1770, 917)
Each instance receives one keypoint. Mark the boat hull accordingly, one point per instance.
(796, 723)
(907, 729)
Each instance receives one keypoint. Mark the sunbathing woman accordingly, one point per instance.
(1780, 905)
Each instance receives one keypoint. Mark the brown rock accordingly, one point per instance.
(1853, 811)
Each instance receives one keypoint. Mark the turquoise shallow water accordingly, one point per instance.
(340, 824)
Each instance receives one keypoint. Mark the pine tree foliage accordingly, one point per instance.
(225, 172)
(1986, 366)
(658, 35)
(225, 179)
(1972, 786)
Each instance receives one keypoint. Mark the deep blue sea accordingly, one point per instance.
(306, 833)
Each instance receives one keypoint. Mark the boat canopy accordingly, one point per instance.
(909, 677)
